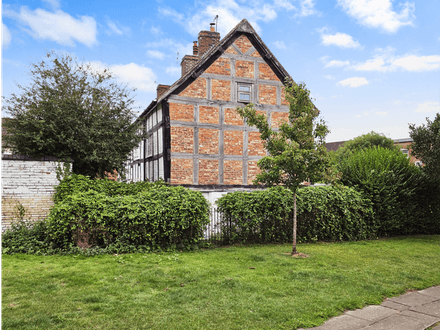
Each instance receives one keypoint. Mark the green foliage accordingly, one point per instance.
(75, 183)
(393, 184)
(324, 213)
(152, 216)
(364, 142)
(297, 151)
(426, 146)
(71, 110)
(25, 237)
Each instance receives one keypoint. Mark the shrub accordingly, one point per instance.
(393, 184)
(158, 217)
(324, 213)
(26, 237)
(79, 183)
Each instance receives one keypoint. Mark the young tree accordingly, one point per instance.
(364, 142)
(297, 150)
(426, 145)
(72, 111)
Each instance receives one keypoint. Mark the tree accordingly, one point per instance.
(72, 111)
(297, 151)
(363, 142)
(426, 145)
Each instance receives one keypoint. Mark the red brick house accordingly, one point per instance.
(196, 138)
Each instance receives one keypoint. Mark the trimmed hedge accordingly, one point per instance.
(324, 213)
(155, 218)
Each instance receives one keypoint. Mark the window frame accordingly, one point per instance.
(239, 92)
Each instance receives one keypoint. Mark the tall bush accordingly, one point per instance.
(392, 183)
(324, 213)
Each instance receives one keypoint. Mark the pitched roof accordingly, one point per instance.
(244, 27)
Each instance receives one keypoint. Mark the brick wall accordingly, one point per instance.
(243, 43)
(233, 143)
(221, 90)
(232, 117)
(233, 172)
(197, 89)
(208, 141)
(267, 94)
(209, 115)
(30, 183)
(255, 145)
(244, 69)
(253, 170)
(182, 139)
(278, 118)
(181, 171)
(208, 171)
(221, 66)
(266, 73)
(182, 112)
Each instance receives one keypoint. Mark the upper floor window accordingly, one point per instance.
(244, 92)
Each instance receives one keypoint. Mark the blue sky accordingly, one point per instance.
(371, 65)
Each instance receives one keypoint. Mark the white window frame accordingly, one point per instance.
(243, 92)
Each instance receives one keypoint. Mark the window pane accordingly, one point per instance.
(245, 97)
(245, 88)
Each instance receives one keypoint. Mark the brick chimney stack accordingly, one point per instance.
(208, 39)
(161, 89)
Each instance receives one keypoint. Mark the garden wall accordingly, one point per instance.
(28, 181)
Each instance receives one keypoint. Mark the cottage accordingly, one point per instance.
(195, 136)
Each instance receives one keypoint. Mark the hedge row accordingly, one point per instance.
(158, 217)
(324, 213)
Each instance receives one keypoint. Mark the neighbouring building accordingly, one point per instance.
(195, 136)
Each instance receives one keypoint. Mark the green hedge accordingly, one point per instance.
(324, 213)
(76, 183)
(158, 217)
(404, 200)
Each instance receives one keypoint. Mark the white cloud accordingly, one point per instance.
(155, 54)
(280, 44)
(385, 62)
(307, 8)
(117, 28)
(285, 4)
(353, 82)
(336, 63)
(230, 13)
(379, 13)
(137, 76)
(329, 77)
(381, 113)
(54, 4)
(398, 102)
(172, 47)
(6, 36)
(428, 107)
(57, 26)
(155, 30)
(173, 70)
(339, 39)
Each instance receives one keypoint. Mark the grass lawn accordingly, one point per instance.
(248, 287)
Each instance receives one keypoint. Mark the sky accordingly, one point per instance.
(370, 65)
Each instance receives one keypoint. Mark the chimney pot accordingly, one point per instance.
(195, 48)
(212, 28)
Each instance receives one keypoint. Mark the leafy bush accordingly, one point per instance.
(26, 237)
(158, 217)
(79, 183)
(324, 213)
(394, 186)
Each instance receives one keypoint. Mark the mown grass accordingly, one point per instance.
(248, 287)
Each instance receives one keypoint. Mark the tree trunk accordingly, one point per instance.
(294, 224)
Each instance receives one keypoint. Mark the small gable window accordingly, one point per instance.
(244, 92)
